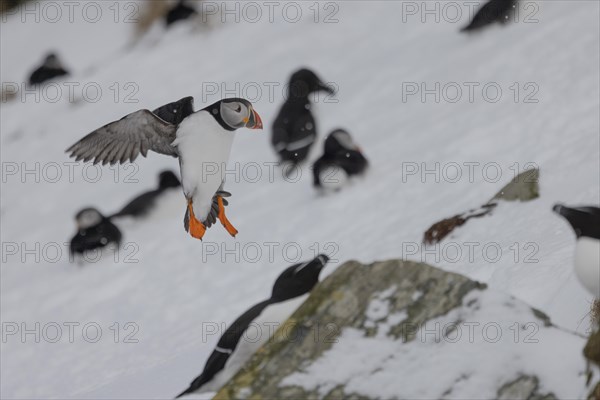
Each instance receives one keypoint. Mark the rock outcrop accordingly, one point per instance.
(399, 329)
(523, 187)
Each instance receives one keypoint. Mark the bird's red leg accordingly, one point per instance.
(197, 228)
(232, 231)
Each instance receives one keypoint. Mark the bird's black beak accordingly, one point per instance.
(560, 209)
(326, 88)
(323, 259)
(254, 121)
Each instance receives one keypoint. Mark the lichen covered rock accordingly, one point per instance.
(399, 329)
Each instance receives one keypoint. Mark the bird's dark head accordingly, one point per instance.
(167, 179)
(585, 221)
(298, 279)
(304, 82)
(88, 217)
(235, 113)
(52, 61)
(339, 140)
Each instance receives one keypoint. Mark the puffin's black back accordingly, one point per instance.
(294, 128)
(585, 221)
(493, 11)
(177, 111)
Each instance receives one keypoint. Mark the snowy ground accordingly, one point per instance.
(173, 289)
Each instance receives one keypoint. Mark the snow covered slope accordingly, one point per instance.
(176, 291)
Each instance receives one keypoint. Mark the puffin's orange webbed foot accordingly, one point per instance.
(197, 228)
(230, 228)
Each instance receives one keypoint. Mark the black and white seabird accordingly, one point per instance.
(493, 11)
(94, 231)
(290, 290)
(201, 140)
(585, 221)
(294, 129)
(180, 12)
(51, 68)
(142, 204)
(341, 159)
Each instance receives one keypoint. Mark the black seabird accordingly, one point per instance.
(289, 291)
(180, 12)
(94, 231)
(142, 204)
(342, 158)
(51, 68)
(493, 11)
(294, 129)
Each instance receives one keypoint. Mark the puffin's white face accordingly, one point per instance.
(88, 218)
(237, 114)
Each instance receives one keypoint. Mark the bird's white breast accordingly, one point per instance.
(204, 148)
(587, 264)
(257, 334)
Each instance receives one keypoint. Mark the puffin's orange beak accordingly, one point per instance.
(254, 122)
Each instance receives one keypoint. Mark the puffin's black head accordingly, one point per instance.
(298, 279)
(88, 217)
(235, 113)
(167, 179)
(585, 221)
(304, 82)
(339, 140)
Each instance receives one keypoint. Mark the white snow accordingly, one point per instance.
(176, 290)
(500, 338)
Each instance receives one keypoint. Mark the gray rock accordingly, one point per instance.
(523, 187)
(383, 330)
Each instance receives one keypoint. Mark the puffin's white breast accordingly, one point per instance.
(257, 334)
(587, 264)
(204, 148)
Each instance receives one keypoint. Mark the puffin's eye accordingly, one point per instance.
(238, 109)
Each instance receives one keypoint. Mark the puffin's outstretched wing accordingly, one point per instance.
(177, 111)
(124, 139)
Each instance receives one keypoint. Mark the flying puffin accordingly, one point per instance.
(51, 68)
(180, 12)
(290, 290)
(94, 231)
(294, 129)
(493, 11)
(585, 221)
(199, 139)
(142, 204)
(342, 158)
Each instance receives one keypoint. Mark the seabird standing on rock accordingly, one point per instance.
(290, 290)
(201, 140)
